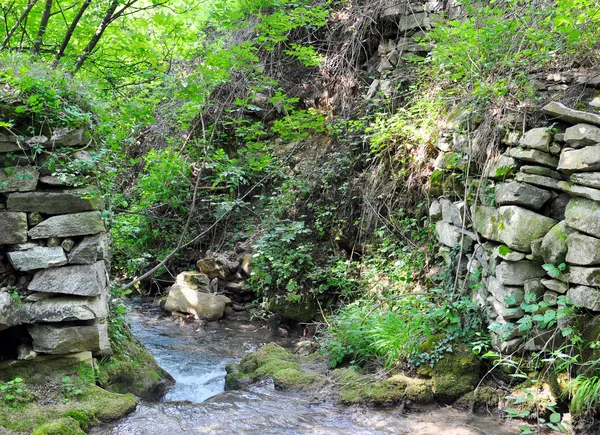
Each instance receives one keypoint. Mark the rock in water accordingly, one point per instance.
(186, 300)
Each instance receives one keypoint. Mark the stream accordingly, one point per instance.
(196, 355)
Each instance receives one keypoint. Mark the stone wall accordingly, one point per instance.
(53, 248)
(538, 205)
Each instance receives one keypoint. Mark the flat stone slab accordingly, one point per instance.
(514, 226)
(534, 156)
(13, 228)
(583, 215)
(515, 193)
(582, 296)
(564, 113)
(537, 138)
(80, 224)
(55, 202)
(515, 273)
(582, 135)
(57, 339)
(502, 293)
(79, 280)
(37, 258)
(580, 160)
(90, 249)
(589, 179)
(576, 190)
(18, 179)
(555, 285)
(538, 180)
(64, 137)
(583, 250)
(588, 276)
(541, 170)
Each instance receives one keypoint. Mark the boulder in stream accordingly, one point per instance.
(186, 300)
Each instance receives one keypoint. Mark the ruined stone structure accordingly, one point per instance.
(538, 236)
(53, 248)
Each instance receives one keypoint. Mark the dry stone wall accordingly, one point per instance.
(53, 249)
(543, 209)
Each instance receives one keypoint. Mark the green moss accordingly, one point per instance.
(484, 396)
(237, 381)
(64, 426)
(274, 365)
(81, 417)
(291, 378)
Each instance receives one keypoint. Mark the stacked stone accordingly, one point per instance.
(53, 252)
(548, 213)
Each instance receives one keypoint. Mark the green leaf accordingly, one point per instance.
(555, 418)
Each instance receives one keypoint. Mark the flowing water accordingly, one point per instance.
(196, 356)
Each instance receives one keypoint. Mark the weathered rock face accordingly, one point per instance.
(580, 160)
(217, 266)
(90, 250)
(554, 244)
(194, 280)
(522, 194)
(589, 179)
(588, 276)
(37, 258)
(80, 224)
(534, 156)
(68, 201)
(584, 215)
(582, 135)
(186, 300)
(582, 296)
(500, 167)
(451, 235)
(14, 228)
(564, 113)
(83, 280)
(18, 179)
(515, 273)
(59, 339)
(537, 138)
(583, 250)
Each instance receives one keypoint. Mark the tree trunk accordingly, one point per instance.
(23, 16)
(43, 25)
(70, 31)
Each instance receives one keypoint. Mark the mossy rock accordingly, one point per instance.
(457, 373)
(292, 378)
(63, 426)
(132, 369)
(300, 312)
(484, 396)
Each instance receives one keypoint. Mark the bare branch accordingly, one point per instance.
(43, 25)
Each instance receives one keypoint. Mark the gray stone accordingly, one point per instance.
(450, 161)
(555, 149)
(589, 179)
(515, 193)
(185, 300)
(10, 146)
(34, 297)
(514, 226)
(507, 347)
(537, 180)
(54, 241)
(504, 311)
(500, 167)
(582, 296)
(67, 244)
(501, 292)
(66, 137)
(516, 273)
(71, 225)
(551, 298)
(58, 181)
(580, 160)
(22, 247)
(60, 339)
(443, 144)
(18, 179)
(37, 258)
(435, 210)
(583, 215)
(194, 280)
(588, 276)
(34, 218)
(537, 138)
(541, 339)
(451, 235)
(535, 287)
(558, 206)
(90, 249)
(14, 228)
(576, 190)
(508, 254)
(534, 156)
(563, 113)
(583, 250)
(556, 286)
(536, 250)
(554, 244)
(217, 266)
(452, 212)
(25, 352)
(404, 23)
(246, 264)
(512, 138)
(582, 135)
(54, 202)
(541, 170)
(80, 280)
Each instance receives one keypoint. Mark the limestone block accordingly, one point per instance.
(37, 258)
(66, 137)
(535, 286)
(514, 226)
(584, 215)
(502, 310)
(554, 244)
(589, 179)
(560, 111)
(71, 225)
(80, 280)
(451, 235)
(90, 249)
(194, 280)
(533, 156)
(582, 135)
(583, 250)
(582, 296)
(13, 228)
(515, 193)
(501, 292)
(64, 309)
(555, 285)
(204, 305)
(582, 191)
(586, 276)
(538, 180)
(452, 212)
(537, 138)
(580, 160)
(18, 179)
(500, 167)
(58, 339)
(54, 202)
(542, 171)
(513, 273)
